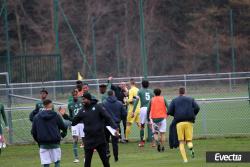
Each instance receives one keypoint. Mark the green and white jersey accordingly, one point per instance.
(39, 105)
(2, 114)
(145, 96)
(74, 108)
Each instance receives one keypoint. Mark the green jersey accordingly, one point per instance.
(2, 113)
(39, 105)
(74, 107)
(145, 96)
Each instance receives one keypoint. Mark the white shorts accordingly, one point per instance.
(160, 126)
(78, 130)
(49, 156)
(143, 115)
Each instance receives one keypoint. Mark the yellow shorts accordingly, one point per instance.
(136, 118)
(185, 131)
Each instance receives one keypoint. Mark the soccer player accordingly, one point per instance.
(95, 118)
(157, 114)
(144, 95)
(2, 113)
(77, 131)
(184, 110)
(39, 105)
(79, 86)
(132, 116)
(47, 130)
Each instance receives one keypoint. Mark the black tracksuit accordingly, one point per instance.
(94, 117)
(47, 127)
(116, 111)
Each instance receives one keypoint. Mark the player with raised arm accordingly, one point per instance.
(132, 116)
(39, 105)
(157, 114)
(77, 131)
(144, 95)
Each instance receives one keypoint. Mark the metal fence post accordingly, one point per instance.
(54, 91)
(249, 91)
(204, 121)
(9, 113)
(230, 81)
(31, 90)
(185, 82)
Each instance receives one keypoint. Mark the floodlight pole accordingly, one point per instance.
(94, 47)
(232, 41)
(56, 31)
(6, 29)
(142, 39)
(117, 44)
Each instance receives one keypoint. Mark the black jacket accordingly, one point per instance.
(173, 137)
(115, 109)
(94, 117)
(46, 128)
(183, 108)
(119, 93)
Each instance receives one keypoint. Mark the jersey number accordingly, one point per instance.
(76, 111)
(147, 96)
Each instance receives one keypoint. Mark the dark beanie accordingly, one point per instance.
(87, 96)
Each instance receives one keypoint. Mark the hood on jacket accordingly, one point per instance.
(111, 99)
(47, 115)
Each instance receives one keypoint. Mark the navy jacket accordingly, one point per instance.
(115, 109)
(47, 127)
(173, 137)
(95, 119)
(183, 109)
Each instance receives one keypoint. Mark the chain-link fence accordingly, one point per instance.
(223, 98)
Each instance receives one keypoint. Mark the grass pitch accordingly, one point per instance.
(130, 155)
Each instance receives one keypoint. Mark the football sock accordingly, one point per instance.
(75, 150)
(46, 165)
(128, 131)
(190, 145)
(57, 164)
(142, 134)
(183, 152)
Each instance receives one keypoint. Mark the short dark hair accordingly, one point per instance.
(111, 93)
(79, 82)
(44, 91)
(182, 90)
(157, 92)
(102, 86)
(47, 102)
(145, 83)
(132, 81)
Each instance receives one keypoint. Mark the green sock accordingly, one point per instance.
(57, 164)
(142, 134)
(75, 150)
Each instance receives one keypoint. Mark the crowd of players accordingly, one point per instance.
(95, 123)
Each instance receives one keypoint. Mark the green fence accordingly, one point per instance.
(32, 68)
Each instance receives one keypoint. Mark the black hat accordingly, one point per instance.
(44, 90)
(87, 96)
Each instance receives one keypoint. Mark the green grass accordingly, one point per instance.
(130, 155)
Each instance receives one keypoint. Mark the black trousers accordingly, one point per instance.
(124, 123)
(114, 141)
(101, 149)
